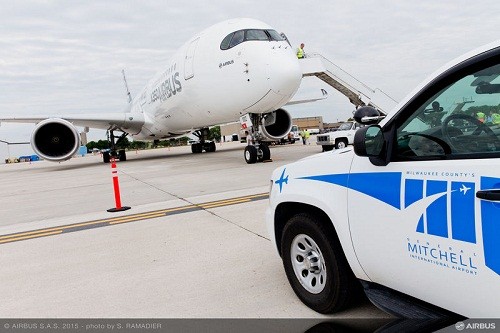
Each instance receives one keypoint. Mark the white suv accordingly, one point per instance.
(411, 212)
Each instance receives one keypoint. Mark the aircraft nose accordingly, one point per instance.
(284, 72)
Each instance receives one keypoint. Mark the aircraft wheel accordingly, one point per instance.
(196, 148)
(250, 154)
(263, 152)
(122, 156)
(210, 147)
(105, 157)
(315, 264)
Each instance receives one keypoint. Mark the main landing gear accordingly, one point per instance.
(257, 153)
(202, 145)
(117, 154)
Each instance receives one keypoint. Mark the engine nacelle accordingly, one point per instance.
(55, 139)
(277, 124)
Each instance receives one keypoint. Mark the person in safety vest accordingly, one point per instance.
(300, 51)
(306, 136)
(481, 116)
(495, 118)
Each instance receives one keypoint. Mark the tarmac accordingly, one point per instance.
(193, 245)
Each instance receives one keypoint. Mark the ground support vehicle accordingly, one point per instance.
(339, 138)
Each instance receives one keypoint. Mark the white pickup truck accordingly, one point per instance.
(339, 138)
(411, 213)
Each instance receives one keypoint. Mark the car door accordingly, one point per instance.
(426, 222)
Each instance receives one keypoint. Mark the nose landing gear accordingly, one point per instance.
(117, 154)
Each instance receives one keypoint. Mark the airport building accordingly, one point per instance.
(309, 123)
(233, 131)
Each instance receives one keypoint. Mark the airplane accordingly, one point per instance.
(239, 67)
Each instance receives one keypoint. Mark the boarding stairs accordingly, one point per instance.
(359, 94)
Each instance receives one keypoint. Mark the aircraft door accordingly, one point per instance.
(189, 59)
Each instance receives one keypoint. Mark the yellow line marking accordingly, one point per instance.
(138, 218)
(50, 229)
(127, 218)
(225, 204)
(32, 236)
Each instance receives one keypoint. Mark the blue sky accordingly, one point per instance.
(61, 57)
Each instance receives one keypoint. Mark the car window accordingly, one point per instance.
(461, 120)
(345, 126)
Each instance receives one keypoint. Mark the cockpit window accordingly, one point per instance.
(225, 42)
(275, 35)
(240, 36)
(237, 38)
(254, 34)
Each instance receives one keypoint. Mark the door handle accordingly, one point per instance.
(491, 195)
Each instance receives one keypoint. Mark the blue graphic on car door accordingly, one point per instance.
(459, 196)
(462, 208)
(490, 215)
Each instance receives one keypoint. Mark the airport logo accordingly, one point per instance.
(447, 200)
(434, 221)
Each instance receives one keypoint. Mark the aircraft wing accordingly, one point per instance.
(126, 122)
(300, 100)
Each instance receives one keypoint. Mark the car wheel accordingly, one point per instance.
(315, 264)
(340, 144)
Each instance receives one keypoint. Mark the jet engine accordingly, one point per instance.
(55, 139)
(276, 125)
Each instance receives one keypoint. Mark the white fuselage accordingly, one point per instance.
(204, 85)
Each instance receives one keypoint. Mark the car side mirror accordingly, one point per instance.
(370, 142)
(367, 115)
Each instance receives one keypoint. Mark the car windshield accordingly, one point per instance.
(345, 127)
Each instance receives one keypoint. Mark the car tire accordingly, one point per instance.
(316, 266)
(342, 143)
